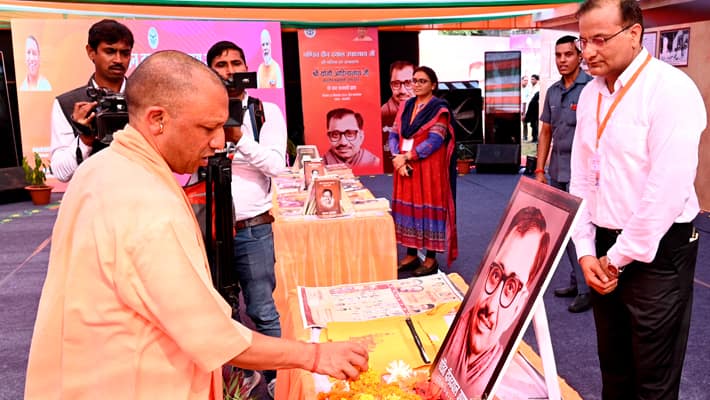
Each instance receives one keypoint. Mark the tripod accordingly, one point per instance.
(219, 235)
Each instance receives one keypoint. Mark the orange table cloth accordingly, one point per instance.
(298, 384)
(332, 251)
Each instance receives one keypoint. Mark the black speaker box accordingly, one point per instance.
(466, 104)
(12, 185)
(498, 158)
(503, 128)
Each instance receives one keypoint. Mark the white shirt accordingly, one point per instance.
(648, 156)
(63, 142)
(255, 163)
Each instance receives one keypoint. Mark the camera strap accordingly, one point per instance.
(256, 114)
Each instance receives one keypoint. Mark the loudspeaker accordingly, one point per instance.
(503, 128)
(12, 185)
(466, 104)
(498, 158)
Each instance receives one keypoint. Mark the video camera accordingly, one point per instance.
(111, 113)
(235, 88)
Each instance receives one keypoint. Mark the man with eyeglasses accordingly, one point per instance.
(499, 296)
(634, 161)
(401, 72)
(346, 136)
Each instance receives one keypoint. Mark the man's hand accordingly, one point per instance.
(341, 360)
(540, 177)
(232, 134)
(82, 113)
(596, 275)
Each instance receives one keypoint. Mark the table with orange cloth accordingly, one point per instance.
(298, 384)
(316, 251)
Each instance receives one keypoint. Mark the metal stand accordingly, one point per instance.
(219, 236)
(542, 334)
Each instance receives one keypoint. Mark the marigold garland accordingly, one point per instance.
(370, 385)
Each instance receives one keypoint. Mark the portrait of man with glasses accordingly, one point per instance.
(346, 135)
(500, 293)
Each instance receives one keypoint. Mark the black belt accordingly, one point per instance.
(676, 228)
(261, 219)
(610, 232)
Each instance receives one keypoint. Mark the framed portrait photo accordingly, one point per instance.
(510, 281)
(649, 42)
(674, 46)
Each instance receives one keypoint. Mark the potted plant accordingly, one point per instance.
(464, 159)
(35, 177)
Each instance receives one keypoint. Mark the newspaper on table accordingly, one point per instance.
(372, 300)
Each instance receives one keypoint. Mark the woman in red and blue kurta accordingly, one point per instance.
(422, 140)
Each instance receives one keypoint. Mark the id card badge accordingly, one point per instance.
(594, 167)
(407, 145)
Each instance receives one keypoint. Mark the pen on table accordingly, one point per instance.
(417, 340)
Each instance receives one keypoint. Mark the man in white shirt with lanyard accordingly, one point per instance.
(73, 137)
(260, 154)
(634, 160)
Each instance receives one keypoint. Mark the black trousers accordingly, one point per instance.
(642, 326)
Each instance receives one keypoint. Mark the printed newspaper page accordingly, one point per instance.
(367, 301)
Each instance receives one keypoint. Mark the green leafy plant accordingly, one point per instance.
(34, 175)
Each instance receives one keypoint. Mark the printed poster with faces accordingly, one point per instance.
(511, 279)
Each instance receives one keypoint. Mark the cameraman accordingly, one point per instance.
(73, 138)
(260, 155)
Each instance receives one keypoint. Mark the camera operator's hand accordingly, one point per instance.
(84, 114)
(232, 134)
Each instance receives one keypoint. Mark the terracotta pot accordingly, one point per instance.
(40, 194)
(463, 167)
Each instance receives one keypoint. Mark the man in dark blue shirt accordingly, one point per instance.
(559, 120)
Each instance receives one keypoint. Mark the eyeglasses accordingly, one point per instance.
(350, 135)
(419, 81)
(598, 41)
(511, 285)
(398, 84)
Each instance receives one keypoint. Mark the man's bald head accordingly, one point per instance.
(167, 79)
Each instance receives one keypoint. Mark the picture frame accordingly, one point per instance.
(312, 168)
(650, 42)
(674, 46)
(327, 196)
(305, 150)
(502, 297)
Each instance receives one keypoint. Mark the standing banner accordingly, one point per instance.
(341, 102)
(57, 48)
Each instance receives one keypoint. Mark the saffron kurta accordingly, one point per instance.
(128, 310)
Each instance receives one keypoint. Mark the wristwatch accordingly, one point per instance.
(613, 269)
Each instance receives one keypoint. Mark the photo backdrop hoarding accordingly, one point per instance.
(64, 64)
(340, 69)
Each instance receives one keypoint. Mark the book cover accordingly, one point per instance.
(312, 168)
(327, 196)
